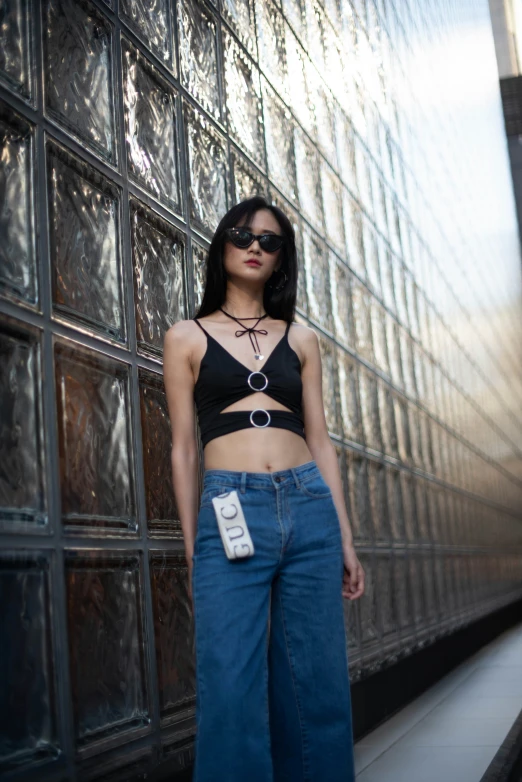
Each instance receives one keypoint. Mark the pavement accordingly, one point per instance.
(452, 732)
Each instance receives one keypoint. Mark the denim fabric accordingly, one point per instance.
(273, 693)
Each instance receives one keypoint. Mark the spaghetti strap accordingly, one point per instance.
(287, 328)
(201, 327)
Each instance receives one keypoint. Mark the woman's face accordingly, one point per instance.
(252, 263)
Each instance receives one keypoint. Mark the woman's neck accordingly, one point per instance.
(243, 303)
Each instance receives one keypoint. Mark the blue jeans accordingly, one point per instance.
(273, 691)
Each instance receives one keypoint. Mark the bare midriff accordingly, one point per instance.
(257, 450)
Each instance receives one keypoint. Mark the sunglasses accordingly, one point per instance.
(242, 237)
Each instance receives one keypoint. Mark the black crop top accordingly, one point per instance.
(224, 380)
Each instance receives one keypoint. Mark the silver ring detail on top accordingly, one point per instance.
(260, 410)
(253, 387)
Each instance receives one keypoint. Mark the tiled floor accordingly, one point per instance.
(453, 731)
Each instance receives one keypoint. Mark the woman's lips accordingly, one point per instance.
(252, 262)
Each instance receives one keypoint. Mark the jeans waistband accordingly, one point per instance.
(260, 480)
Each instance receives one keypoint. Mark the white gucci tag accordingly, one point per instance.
(232, 526)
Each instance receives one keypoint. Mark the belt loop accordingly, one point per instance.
(296, 477)
(243, 482)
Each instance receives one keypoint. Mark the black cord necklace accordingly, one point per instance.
(252, 332)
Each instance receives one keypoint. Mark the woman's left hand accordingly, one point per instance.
(353, 578)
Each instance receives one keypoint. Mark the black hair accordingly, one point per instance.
(280, 292)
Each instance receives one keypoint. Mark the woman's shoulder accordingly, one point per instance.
(183, 335)
(303, 340)
(303, 335)
(182, 328)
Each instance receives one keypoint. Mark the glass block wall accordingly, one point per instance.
(127, 128)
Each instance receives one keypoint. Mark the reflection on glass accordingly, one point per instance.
(199, 259)
(207, 170)
(28, 666)
(247, 181)
(84, 228)
(243, 100)
(386, 601)
(158, 251)
(330, 393)
(95, 441)
(162, 514)
(17, 219)
(153, 24)
(15, 47)
(239, 14)
(22, 482)
(308, 179)
(151, 133)
(271, 44)
(174, 635)
(279, 142)
(333, 207)
(106, 644)
(78, 41)
(198, 54)
(317, 278)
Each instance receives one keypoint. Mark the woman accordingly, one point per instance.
(273, 698)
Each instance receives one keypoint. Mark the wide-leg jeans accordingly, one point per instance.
(273, 691)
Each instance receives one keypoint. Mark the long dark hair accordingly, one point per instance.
(280, 294)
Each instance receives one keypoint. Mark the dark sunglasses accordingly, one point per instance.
(242, 237)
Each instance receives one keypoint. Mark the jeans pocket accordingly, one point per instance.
(208, 494)
(315, 488)
(207, 531)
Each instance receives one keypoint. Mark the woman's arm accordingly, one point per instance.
(179, 385)
(323, 451)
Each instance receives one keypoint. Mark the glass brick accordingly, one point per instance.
(350, 402)
(279, 136)
(151, 134)
(174, 635)
(158, 253)
(84, 234)
(78, 40)
(15, 48)
(95, 441)
(106, 646)
(247, 180)
(28, 702)
(340, 285)
(271, 44)
(162, 514)
(239, 14)
(207, 171)
(243, 100)
(23, 502)
(333, 207)
(153, 25)
(317, 278)
(198, 54)
(308, 179)
(18, 275)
